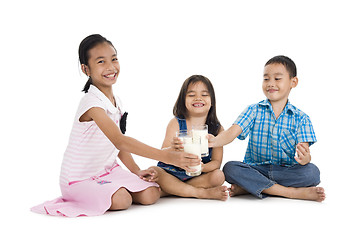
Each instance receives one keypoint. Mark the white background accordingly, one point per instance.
(160, 44)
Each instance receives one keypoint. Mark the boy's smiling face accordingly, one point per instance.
(277, 83)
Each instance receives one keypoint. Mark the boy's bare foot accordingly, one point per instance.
(309, 193)
(219, 193)
(236, 190)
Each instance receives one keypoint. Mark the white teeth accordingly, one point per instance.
(198, 105)
(110, 75)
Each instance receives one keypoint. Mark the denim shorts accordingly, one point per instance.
(175, 171)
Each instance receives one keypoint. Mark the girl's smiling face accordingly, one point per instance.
(198, 100)
(103, 66)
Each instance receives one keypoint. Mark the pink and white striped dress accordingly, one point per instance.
(90, 174)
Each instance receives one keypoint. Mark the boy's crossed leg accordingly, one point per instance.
(287, 182)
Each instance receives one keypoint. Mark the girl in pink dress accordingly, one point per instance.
(91, 181)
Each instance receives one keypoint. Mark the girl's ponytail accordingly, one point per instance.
(87, 85)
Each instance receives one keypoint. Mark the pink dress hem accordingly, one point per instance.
(92, 197)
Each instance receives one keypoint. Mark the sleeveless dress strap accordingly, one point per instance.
(182, 123)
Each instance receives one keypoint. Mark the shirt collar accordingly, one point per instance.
(289, 108)
(100, 95)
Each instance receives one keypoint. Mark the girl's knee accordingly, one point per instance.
(121, 200)
(216, 178)
(149, 196)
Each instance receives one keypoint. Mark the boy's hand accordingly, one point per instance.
(303, 153)
(149, 175)
(211, 140)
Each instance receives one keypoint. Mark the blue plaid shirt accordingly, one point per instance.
(271, 140)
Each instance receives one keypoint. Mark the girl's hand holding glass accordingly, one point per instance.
(177, 144)
(182, 159)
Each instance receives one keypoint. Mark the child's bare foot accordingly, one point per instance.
(219, 193)
(309, 193)
(236, 190)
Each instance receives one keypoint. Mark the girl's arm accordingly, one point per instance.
(224, 137)
(127, 159)
(217, 157)
(131, 145)
(172, 128)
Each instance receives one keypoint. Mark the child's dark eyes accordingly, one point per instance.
(277, 79)
(113, 60)
(193, 95)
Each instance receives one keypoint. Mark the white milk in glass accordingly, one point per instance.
(201, 131)
(193, 147)
(191, 144)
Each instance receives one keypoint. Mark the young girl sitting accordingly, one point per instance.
(91, 181)
(196, 105)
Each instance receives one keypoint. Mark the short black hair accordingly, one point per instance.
(285, 61)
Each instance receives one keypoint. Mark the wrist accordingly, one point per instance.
(136, 171)
(216, 142)
(165, 155)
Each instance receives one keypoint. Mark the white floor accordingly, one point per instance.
(179, 218)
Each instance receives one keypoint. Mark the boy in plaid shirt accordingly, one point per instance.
(277, 160)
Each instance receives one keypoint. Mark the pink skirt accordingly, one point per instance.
(92, 197)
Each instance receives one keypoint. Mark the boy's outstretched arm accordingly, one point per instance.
(224, 137)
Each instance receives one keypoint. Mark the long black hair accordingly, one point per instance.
(88, 43)
(180, 110)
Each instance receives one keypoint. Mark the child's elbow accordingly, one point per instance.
(121, 143)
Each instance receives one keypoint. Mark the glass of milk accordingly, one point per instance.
(201, 131)
(191, 144)
(185, 136)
